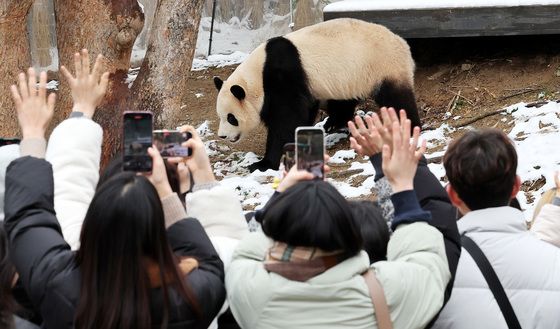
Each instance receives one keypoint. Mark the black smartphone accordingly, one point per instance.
(9, 141)
(289, 155)
(137, 138)
(310, 150)
(168, 142)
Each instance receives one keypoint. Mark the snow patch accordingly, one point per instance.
(219, 60)
(52, 85)
(342, 155)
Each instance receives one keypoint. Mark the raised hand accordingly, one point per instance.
(198, 162)
(368, 140)
(401, 159)
(158, 176)
(294, 176)
(34, 108)
(88, 88)
(365, 140)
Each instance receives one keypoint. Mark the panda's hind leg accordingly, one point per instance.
(399, 96)
(340, 112)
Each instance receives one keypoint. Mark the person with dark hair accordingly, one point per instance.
(141, 263)
(373, 228)
(506, 277)
(305, 269)
(8, 277)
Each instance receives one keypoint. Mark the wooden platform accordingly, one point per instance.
(461, 22)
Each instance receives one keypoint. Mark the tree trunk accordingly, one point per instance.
(14, 58)
(283, 7)
(107, 27)
(257, 13)
(161, 85)
(226, 10)
(42, 36)
(149, 13)
(304, 15)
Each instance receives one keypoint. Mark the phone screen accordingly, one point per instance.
(137, 131)
(310, 150)
(168, 142)
(9, 141)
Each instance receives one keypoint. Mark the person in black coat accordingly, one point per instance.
(141, 262)
(368, 139)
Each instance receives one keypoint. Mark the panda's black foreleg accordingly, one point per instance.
(399, 96)
(281, 130)
(340, 112)
(275, 141)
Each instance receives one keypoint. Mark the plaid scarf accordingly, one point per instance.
(300, 263)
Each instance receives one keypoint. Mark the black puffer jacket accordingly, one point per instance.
(46, 264)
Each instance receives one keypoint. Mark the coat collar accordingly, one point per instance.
(499, 220)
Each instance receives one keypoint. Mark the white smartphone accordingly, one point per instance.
(310, 150)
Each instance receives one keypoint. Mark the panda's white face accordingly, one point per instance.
(229, 127)
(237, 115)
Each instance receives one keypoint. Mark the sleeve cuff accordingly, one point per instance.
(205, 186)
(377, 162)
(407, 209)
(35, 147)
(173, 210)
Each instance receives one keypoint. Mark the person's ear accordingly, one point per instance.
(456, 200)
(516, 186)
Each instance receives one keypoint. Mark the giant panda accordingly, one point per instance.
(334, 63)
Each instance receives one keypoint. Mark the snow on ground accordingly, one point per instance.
(367, 5)
(232, 41)
(536, 134)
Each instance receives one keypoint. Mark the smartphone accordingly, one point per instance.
(168, 142)
(137, 138)
(310, 150)
(9, 141)
(289, 155)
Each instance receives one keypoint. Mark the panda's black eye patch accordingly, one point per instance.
(232, 120)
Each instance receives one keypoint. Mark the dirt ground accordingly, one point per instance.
(457, 80)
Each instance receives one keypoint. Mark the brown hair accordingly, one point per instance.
(481, 167)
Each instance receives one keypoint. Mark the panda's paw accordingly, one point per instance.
(262, 165)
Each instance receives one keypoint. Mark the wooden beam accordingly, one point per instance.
(463, 22)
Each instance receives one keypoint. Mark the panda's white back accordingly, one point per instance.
(346, 58)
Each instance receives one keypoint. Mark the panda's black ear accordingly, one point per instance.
(238, 92)
(218, 83)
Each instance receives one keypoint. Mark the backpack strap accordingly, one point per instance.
(493, 281)
(377, 295)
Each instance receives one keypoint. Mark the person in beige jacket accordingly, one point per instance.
(305, 269)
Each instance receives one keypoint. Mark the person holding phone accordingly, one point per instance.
(135, 240)
(304, 270)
